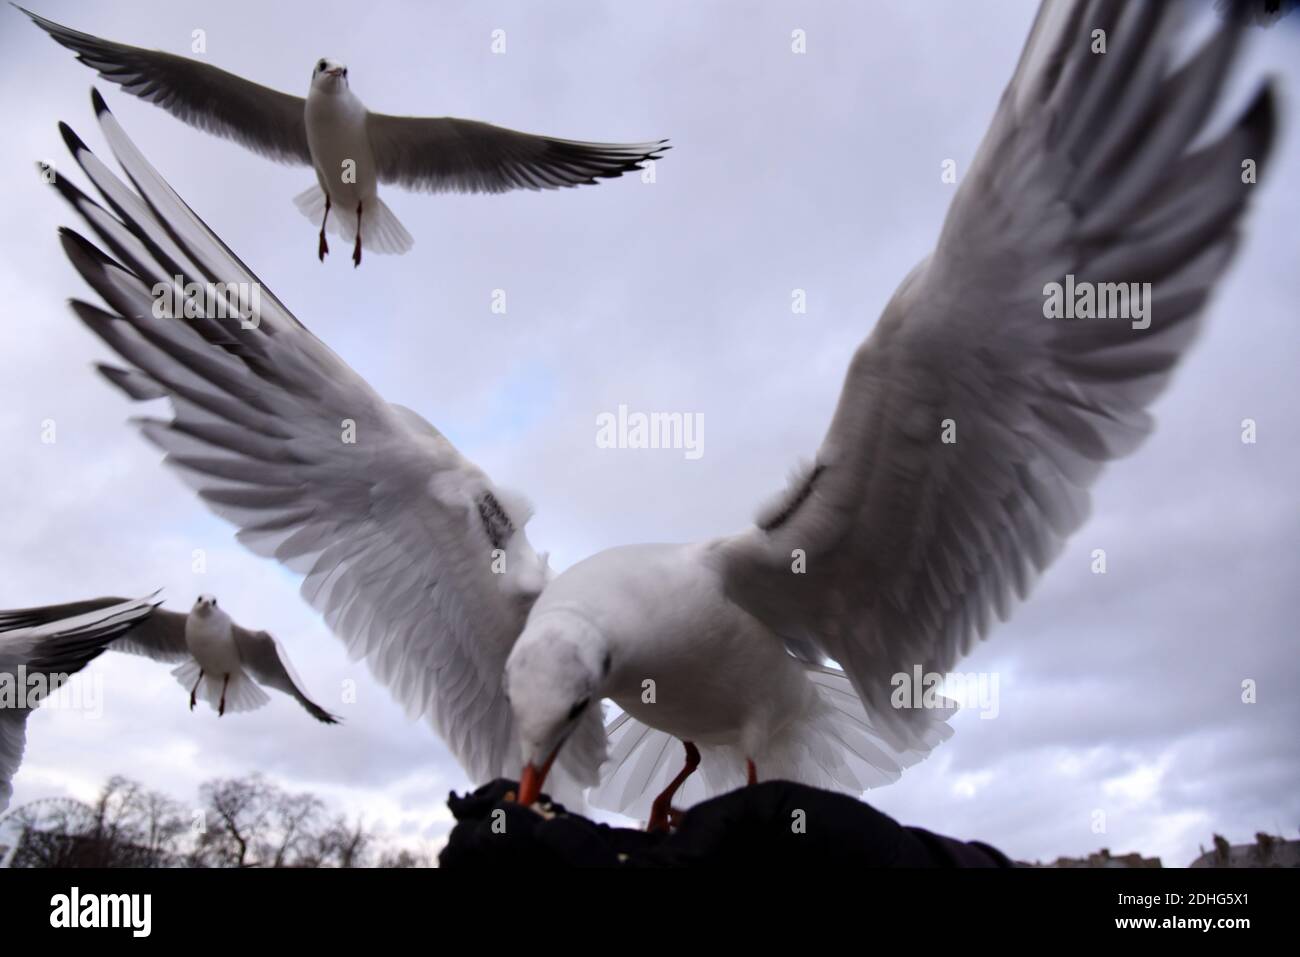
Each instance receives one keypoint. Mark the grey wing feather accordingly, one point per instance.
(15, 618)
(394, 533)
(159, 635)
(216, 101)
(914, 544)
(137, 386)
(265, 658)
(446, 154)
(54, 647)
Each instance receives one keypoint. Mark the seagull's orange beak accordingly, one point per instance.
(532, 778)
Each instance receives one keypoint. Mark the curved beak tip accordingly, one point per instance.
(532, 779)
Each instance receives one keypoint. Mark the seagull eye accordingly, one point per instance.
(320, 66)
(577, 708)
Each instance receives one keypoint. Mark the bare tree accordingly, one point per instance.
(162, 826)
(291, 819)
(238, 810)
(126, 826)
(404, 859)
(242, 822)
(341, 845)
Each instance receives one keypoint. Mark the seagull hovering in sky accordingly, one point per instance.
(219, 661)
(38, 654)
(351, 149)
(913, 544)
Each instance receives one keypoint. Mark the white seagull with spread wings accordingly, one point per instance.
(217, 660)
(351, 149)
(914, 545)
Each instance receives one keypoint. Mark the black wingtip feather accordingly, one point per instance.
(97, 101)
(73, 141)
(1261, 115)
(64, 186)
(77, 245)
(135, 385)
(89, 313)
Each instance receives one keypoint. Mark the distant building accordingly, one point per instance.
(1103, 858)
(1267, 851)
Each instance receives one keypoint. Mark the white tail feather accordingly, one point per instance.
(242, 692)
(840, 748)
(381, 232)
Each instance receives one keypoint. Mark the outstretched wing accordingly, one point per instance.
(914, 542)
(266, 659)
(53, 648)
(159, 635)
(448, 155)
(264, 120)
(399, 536)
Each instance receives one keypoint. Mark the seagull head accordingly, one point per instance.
(555, 674)
(204, 604)
(329, 76)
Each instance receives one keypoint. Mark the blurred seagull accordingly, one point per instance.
(37, 655)
(351, 149)
(911, 545)
(219, 661)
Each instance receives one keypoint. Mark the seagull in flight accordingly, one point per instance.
(219, 661)
(913, 544)
(351, 149)
(38, 654)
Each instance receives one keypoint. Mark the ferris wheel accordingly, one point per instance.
(65, 813)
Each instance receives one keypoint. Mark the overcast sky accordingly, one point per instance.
(1119, 693)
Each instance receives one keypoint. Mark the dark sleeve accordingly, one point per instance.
(773, 824)
(940, 851)
(782, 824)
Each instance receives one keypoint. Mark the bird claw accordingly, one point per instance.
(323, 249)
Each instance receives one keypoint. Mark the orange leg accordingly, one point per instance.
(195, 690)
(662, 810)
(324, 246)
(751, 772)
(356, 250)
